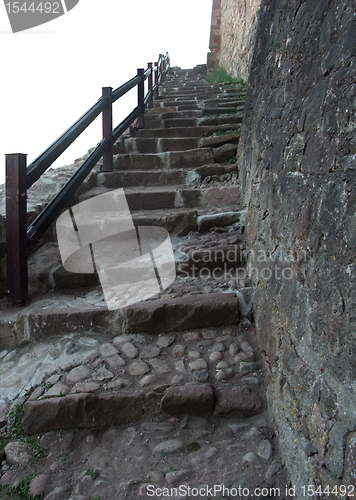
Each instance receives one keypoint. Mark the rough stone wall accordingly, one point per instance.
(238, 33)
(297, 158)
(215, 36)
(232, 36)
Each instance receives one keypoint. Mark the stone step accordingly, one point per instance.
(130, 178)
(156, 145)
(166, 197)
(174, 159)
(201, 98)
(192, 95)
(41, 321)
(213, 105)
(219, 140)
(197, 85)
(160, 114)
(182, 197)
(136, 145)
(172, 132)
(194, 122)
(232, 119)
(159, 177)
(182, 221)
(172, 90)
(222, 110)
(172, 123)
(203, 131)
(188, 104)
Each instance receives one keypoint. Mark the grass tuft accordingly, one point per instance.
(220, 75)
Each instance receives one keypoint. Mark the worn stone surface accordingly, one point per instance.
(18, 453)
(183, 313)
(232, 36)
(238, 401)
(194, 399)
(81, 410)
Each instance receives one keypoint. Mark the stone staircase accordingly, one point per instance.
(177, 379)
(178, 173)
(163, 167)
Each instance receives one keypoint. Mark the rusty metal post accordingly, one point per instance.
(150, 86)
(107, 130)
(156, 81)
(16, 227)
(141, 99)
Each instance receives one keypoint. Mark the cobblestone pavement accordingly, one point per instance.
(229, 444)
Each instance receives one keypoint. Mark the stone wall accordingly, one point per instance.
(297, 158)
(233, 33)
(215, 36)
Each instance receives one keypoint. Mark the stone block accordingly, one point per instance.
(183, 313)
(237, 401)
(193, 399)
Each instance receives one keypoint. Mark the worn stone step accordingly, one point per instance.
(176, 221)
(156, 145)
(232, 119)
(159, 122)
(173, 159)
(219, 258)
(158, 177)
(197, 103)
(215, 105)
(190, 94)
(224, 103)
(182, 197)
(130, 178)
(222, 110)
(191, 113)
(168, 197)
(193, 122)
(171, 132)
(182, 221)
(198, 131)
(133, 145)
(38, 323)
(191, 89)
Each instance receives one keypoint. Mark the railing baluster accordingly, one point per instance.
(107, 130)
(150, 85)
(156, 81)
(141, 99)
(16, 227)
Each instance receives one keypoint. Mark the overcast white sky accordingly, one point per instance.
(53, 73)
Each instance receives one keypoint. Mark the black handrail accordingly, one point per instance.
(20, 239)
(45, 160)
(50, 213)
(120, 91)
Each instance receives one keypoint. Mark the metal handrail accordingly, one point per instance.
(20, 239)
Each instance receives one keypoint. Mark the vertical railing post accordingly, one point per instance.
(156, 81)
(141, 99)
(164, 70)
(150, 86)
(16, 227)
(160, 81)
(107, 130)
